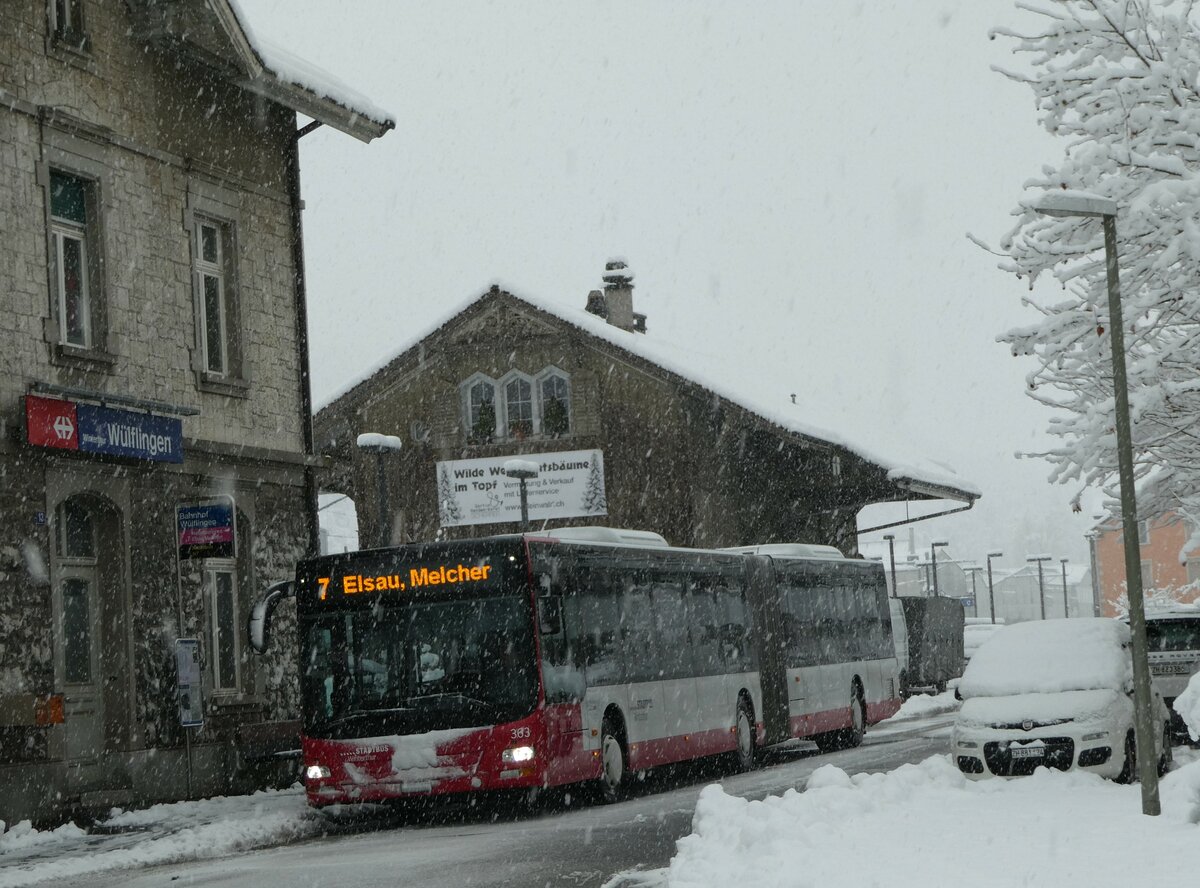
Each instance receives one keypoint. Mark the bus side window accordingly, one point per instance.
(701, 609)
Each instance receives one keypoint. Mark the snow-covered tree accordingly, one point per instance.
(1119, 81)
(447, 503)
(594, 500)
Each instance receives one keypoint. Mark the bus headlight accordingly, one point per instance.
(518, 754)
(316, 772)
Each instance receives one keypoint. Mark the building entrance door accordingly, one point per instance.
(83, 705)
(92, 636)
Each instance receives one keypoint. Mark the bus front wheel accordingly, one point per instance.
(612, 765)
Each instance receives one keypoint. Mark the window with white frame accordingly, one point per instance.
(71, 199)
(1193, 570)
(554, 398)
(1147, 576)
(1143, 532)
(221, 600)
(518, 406)
(215, 291)
(479, 405)
(67, 24)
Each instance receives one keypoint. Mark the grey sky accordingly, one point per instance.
(790, 179)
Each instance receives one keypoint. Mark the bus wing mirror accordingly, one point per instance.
(259, 626)
(550, 615)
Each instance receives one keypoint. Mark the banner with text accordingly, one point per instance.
(569, 484)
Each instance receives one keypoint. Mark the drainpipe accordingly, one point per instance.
(310, 472)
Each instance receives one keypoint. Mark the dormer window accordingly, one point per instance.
(554, 395)
(479, 406)
(516, 407)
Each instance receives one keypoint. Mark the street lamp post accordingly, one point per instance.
(1041, 584)
(373, 442)
(933, 547)
(522, 470)
(1066, 604)
(891, 540)
(1068, 203)
(992, 588)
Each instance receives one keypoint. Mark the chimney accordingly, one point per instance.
(618, 295)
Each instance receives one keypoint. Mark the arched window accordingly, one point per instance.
(518, 406)
(479, 408)
(554, 397)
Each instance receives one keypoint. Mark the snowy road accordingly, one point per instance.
(573, 847)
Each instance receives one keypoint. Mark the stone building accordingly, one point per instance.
(624, 429)
(156, 459)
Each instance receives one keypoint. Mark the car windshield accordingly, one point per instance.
(419, 667)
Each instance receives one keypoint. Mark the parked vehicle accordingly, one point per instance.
(929, 641)
(1173, 649)
(1055, 693)
(976, 632)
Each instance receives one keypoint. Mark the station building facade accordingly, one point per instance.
(156, 458)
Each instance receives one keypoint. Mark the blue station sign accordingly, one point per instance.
(125, 433)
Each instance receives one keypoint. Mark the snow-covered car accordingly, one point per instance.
(1055, 693)
(975, 633)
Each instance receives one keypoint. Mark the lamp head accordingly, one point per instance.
(1067, 203)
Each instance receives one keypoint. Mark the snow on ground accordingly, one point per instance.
(160, 834)
(927, 826)
(921, 705)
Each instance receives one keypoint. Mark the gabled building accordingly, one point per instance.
(1169, 548)
(156, 458)
(625, 427)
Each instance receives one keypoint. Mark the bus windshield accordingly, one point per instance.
(419, 666)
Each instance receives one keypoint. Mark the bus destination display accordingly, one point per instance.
(417, 578)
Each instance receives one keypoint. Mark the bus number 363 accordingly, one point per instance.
(520, 733)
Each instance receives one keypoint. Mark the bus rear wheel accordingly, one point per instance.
(847, 738)
(611, 782)
(744, 732)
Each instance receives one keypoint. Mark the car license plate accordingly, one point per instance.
(1027, 752)
(1171, 668)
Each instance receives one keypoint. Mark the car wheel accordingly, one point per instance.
(612, 765)
(1168, 756)
(1129, 768)
(745, 751)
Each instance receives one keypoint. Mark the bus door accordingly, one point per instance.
(563, 649)
(763, 596)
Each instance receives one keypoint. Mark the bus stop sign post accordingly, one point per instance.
(191, 694)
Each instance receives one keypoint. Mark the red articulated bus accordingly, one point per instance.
(575, 656)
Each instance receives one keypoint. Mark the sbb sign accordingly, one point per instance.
(88, 428)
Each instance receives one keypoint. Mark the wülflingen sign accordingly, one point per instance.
(569, 484)
(89, 428)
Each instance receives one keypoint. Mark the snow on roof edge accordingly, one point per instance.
(636, 344)
(288, 68)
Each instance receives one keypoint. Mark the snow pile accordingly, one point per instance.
(160, 834)
(22, 836)
(1187, 705)
(1050, 656)
(921, 705)
(926, 825)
